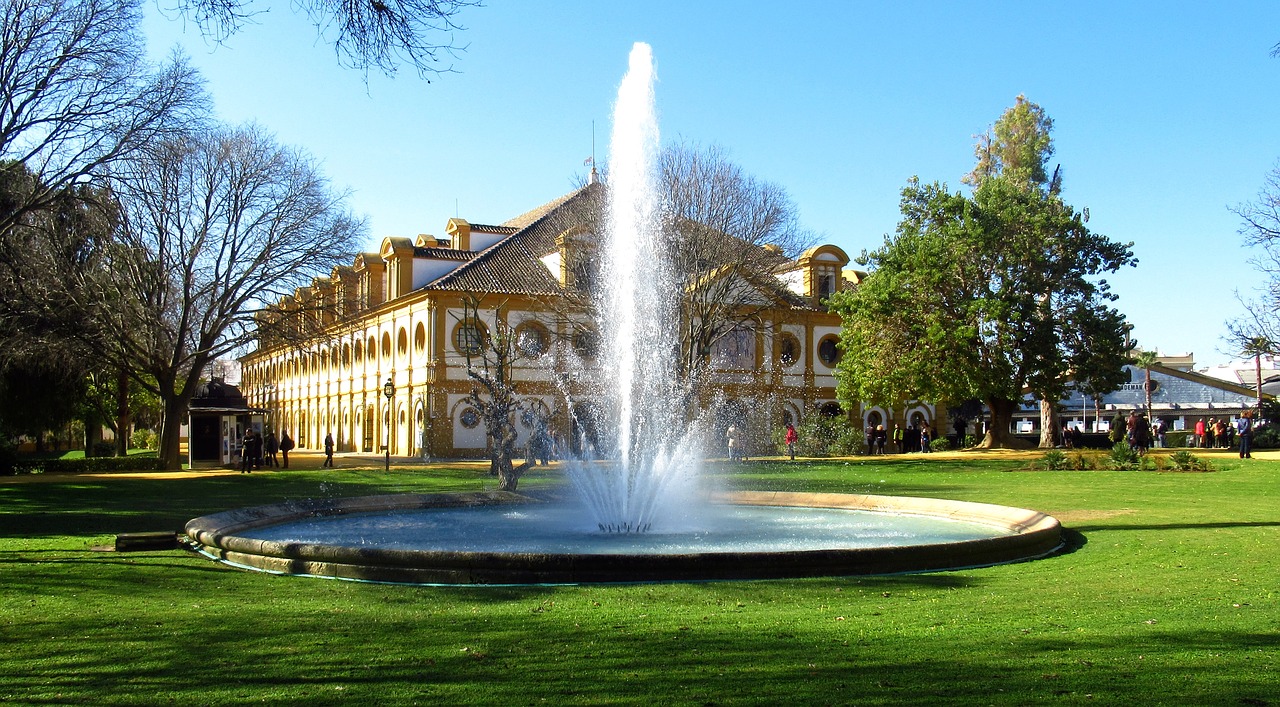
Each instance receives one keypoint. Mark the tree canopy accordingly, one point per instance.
(1018, 147)
(979, 297)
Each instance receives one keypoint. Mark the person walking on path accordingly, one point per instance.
(791, 438)
(286, 443)
(328, 451)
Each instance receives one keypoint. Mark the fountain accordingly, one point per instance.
(642, 515)
(656, 456)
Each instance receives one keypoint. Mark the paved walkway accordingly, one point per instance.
(298, 461)
(311, 461)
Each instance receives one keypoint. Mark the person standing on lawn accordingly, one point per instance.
(286, 443)
(1244, 430)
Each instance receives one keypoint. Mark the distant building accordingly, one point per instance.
(1178, 396)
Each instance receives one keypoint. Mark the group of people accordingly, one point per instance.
(259, 450)
(912, 438)
(1214, 433)
(1221, 433)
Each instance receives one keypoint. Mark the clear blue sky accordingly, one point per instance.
(1164, 112)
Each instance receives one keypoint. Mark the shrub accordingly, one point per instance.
(822, 436)
(90, 464)
(144, 439)
(1267, 436)
(1122, 457)
(1182, 460)
(8, 456)
(941, 444)
(1054, 460)
(103, 448)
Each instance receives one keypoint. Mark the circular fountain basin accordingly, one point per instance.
(499, 538)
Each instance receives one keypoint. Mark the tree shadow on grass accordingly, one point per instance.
(102, 507)
(1177, 526)
(447, 648)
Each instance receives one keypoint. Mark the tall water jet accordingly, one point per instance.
(654, 461)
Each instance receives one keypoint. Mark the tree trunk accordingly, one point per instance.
(998, 432)
(1146, 387)
(1257, 368)
(92, 435)
(1048, 424)
(175, 411)
(123, 417)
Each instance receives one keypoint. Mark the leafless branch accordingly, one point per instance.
(366, 34)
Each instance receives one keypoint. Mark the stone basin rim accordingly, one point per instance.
(1031, 534)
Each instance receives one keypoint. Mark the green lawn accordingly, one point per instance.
(1168, 597)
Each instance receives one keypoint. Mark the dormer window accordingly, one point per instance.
(585, 275)
(826, 285)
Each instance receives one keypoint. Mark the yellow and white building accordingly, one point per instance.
(397, 315)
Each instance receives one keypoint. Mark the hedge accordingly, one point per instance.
(80, 466)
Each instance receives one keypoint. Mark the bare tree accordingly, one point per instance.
(490, 355)
(1260, 227)
(76, 94)
(730, 234)
(213, 227)
(366, 34)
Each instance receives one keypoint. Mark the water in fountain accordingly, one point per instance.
(652, 474)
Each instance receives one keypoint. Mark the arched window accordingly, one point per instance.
(532, 339)
(788, 349)
(586, 344)
(469, 337)
(419, 338)
(829, 350)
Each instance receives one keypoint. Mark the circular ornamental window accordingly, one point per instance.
(829, 351)
(469, 418)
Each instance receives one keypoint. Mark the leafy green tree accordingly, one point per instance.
(38, 394)
(979, 297)
(1018, 148)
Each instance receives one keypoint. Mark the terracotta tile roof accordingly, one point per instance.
(530, 217)
(484, 228)
(444, 254)
(512, 266)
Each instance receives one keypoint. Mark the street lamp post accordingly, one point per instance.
(389, 390)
